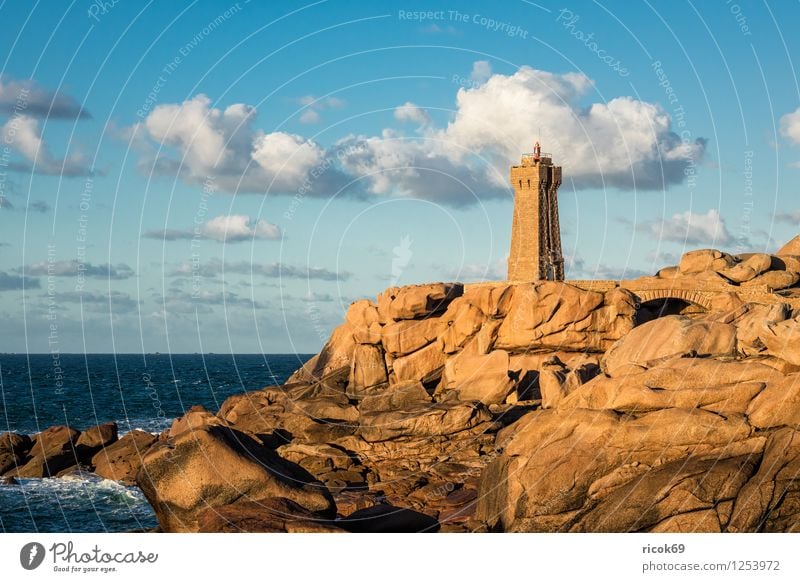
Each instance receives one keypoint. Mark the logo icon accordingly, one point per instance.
(31, 555)
(402, 256)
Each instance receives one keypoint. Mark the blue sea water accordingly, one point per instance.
(144, 391)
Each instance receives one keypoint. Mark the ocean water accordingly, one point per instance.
(134, 390)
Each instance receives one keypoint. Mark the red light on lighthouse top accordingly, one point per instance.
(537, 151)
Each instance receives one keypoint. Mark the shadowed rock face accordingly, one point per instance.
(501, 407)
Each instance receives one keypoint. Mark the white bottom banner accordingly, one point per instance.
(331, 557)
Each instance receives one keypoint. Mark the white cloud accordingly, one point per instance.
(481, 71)
(790, 126)
(410, 112)
(309, 116)
(690, 228)
(224, 145)
(239, 227)
(225, 228)
(622, 143)
(22, 133)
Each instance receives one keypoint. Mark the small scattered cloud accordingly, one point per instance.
(481, 71)
(577, 268)
(313, 297)
(690, 228)
(436, 29)
(39, 206)
(29, 97)
(408, 111)
(73, 268)
(22, 133)
(10, 282)
(215, 268)
(6, 203)
(313, 106)
(226, 228)
(790, 126)
(792, 217)
(117, 300)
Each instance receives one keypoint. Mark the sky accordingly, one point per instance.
(229, 177)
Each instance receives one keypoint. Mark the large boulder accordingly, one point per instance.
(420, 365)
(558, 316)
(791, 248)
(557, 465)
(666, 337)
(480, 377)
(435, 420)
(95, 438)
(400, 338)
(121, 460)
(698, 261)
(368, 369)
(52, 451)
(416, 301)
(13, 447)
(271, 515)
(214, 466)
(749, 268)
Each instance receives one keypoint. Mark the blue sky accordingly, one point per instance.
(228, 177)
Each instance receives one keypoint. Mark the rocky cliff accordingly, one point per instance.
(508, 407)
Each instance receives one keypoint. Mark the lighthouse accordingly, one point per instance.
(535, 232)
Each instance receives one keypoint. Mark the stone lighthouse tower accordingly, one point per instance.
(535, 232)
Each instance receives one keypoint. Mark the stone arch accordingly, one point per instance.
(693, 297)
(656, 303)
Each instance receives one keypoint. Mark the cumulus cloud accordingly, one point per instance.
(690, 228)
(215, 268)
(12, 282)
(39, 206)
(413, 113)
(224, 144)
(226, 228)
(73, 268)
(23, 134)
(30, 97)
(790, 126)
(622, 143)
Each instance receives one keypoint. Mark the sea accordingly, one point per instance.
(137, 391)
